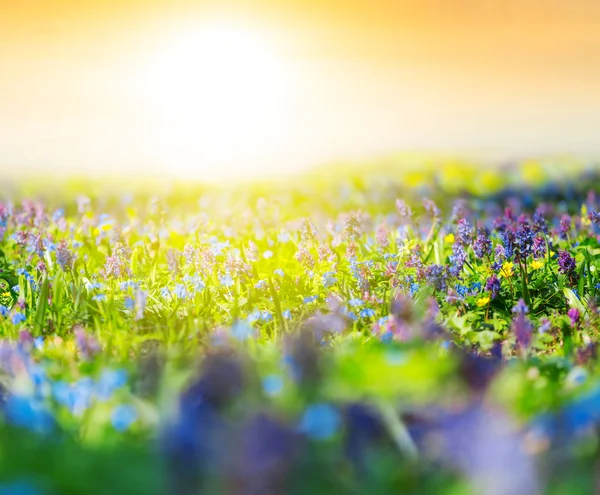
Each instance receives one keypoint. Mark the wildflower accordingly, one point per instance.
(287, 314)
(523, 330)
(241, 330)
(492, 285)
(17, 318)
(329, 279)
(64, 257)
(87, 344)
(268, 254)
(449, 238)
(507, 269)
(99, 297)
(367, 313)
(272, 385)
(261, 284)
(482, 246)
(464, 232)
(310, 299)
(403, 209)
(109, 382)
(307, 230)
(577, 376)
(574, 316)
(483, 301)
(123, 416)
(283, 237)
(436, 277)
(320, 421)
(524, 239)
(564, 226)
(520, 308)
(537, 264)
(431, 209)
(180, 291)
(546, 324)
(566, 262)
(457, 260)
(539, 247)
(278, 272)
(226, 280)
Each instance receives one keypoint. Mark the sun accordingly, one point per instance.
(219, 90)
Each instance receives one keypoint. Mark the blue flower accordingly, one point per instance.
(287, 314)
(268, 254)
(272, 385)
(123, 416)
(129, 303)
(29, 413)
(266, 316)
(241, 330)
(261, 284)
(165, 293)
(226, 280)
(320, 421)
(367, 313)
(329, 279)
(99, 297)
(4, 310)
(355, 302)
(17, 318)
(310, 299)
(180, 291)
(279, 272)
(283, 237)
(109, 382)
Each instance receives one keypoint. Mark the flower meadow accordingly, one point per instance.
(426, 331)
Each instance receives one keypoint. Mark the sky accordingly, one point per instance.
(232, 89)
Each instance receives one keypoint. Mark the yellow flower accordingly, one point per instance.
(483, 301)
(537, 264)
(585, 221)
(507, 269)
(449, 238)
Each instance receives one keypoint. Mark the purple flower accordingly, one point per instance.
(436, 277)
(86, 343)
(464, 232)
(457, 260)
(539, 247)
(482, 246)
(403, 209)
(566, 262)
(524, 238)
(594, 217)
(573, 315)
(430, 208)
(64, 257)
(520, 308)
(564, 226)
(492, 285)
(523, 330)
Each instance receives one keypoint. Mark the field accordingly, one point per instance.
(423, 329)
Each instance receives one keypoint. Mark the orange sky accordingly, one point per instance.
(367, 77)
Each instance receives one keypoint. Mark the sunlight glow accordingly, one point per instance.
(220, 91)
